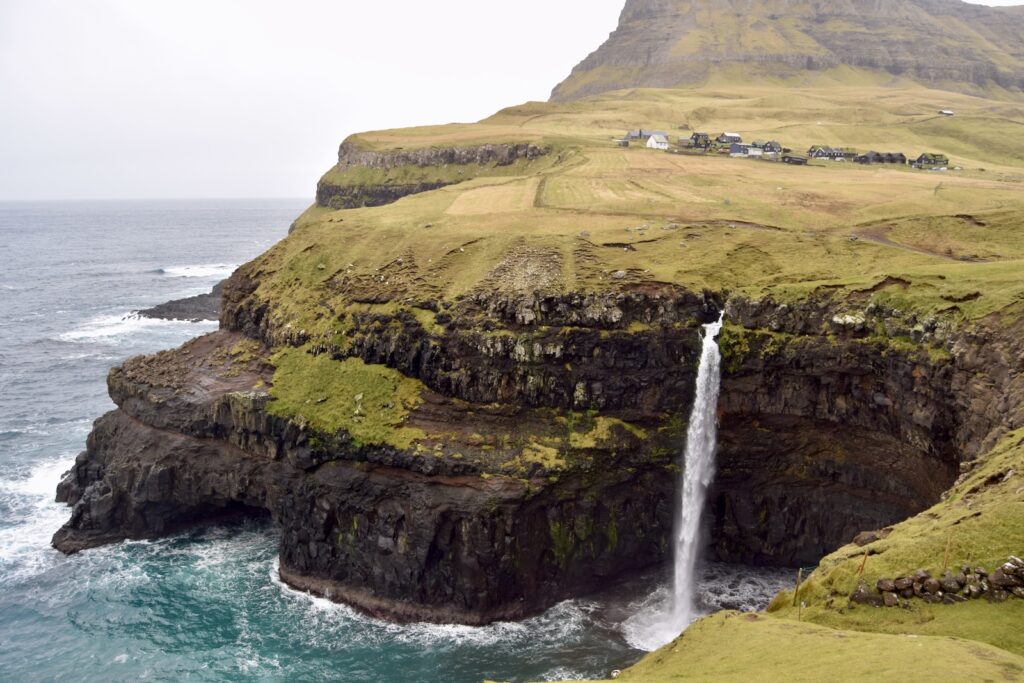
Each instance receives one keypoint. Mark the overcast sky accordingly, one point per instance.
(250, 98)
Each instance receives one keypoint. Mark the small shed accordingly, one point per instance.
(623, 142)
(729, 138)
(702, 140)
(794, 160)
(658, 141)
(947, 112)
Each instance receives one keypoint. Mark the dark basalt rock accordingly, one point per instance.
(193, 308)
(355, 196)
(808, 455)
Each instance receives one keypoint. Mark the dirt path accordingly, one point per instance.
(878, 234)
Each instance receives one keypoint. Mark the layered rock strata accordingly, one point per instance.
(507, 504)
(340, 189)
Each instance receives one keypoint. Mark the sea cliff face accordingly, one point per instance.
(675, 43)
(374, 178)
(826, 430)
(463, 411)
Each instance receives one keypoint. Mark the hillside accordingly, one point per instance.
(675, 43)
(459, 385)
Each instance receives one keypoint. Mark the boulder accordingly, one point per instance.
(890, 599)
(950, 584)
(864, 596)
(932, 586)
(1000, 579)
(886, 586)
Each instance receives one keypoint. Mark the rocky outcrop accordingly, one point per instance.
(351, 154)
(829, 425)
(407, 537)
(341, 189)
(332, 196)
(676, 43)
(193, 308)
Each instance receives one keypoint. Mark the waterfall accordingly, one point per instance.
(651, 628)
(698, 472)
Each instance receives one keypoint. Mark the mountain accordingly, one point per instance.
(946, 44)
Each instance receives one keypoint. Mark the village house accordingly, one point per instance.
(700, 140)
(830, 153)
(930, 160)
(746, 151)
(622, 142)
(658, 141)
(770, 147)
(881, 158)
(642, 134)
(729, 138)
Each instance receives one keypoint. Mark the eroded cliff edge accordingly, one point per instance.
(469, 404)
(545, 437)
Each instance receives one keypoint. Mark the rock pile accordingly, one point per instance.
(967, 584)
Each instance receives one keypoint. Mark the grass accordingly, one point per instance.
(370, 402)
(730, 646)
(590, 209)
(980, 523)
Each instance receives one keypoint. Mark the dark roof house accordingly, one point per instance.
(700, 140)
(728, 138)
(881, 158)
(930, 160)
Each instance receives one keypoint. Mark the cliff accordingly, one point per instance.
(467, 404)
(675, 43)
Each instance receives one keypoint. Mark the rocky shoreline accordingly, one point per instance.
(193, 308)
(472, 531)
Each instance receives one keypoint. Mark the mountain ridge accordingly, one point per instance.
(945, 44)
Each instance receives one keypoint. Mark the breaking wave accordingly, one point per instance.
(220, 270)
(115, 328)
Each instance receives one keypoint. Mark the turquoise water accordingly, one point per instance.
(205, 605)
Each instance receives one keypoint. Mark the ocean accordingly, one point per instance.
(205, 605)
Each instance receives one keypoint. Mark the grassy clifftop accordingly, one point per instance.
(589, 210)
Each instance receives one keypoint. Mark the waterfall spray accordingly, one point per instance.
(698, 473)
(650, 629)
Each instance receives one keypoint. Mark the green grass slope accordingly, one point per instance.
(730, 646)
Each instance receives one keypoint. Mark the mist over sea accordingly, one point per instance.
(205, 605)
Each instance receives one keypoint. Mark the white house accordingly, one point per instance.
(657, 141)
(947, 112)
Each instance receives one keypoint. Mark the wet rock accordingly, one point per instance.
(932, 586)
(903, 584)
(885, 586)
(890, 599)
